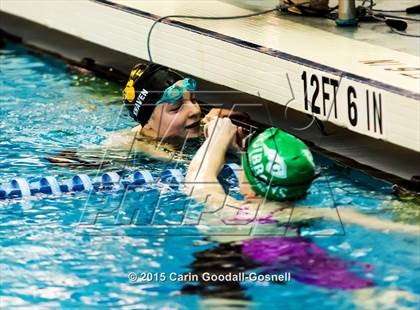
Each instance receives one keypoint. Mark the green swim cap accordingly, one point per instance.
(285, 161)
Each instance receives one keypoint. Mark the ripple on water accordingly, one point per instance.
(53, 256)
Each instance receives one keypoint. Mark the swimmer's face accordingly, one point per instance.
(178, 119)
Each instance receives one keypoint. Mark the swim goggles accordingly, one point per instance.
(175, 92)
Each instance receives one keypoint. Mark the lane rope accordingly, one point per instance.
(109, 181)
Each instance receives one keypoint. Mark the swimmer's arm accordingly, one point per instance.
(201, 180)
(351, 216)
(370, 298)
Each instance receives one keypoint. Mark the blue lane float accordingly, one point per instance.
(109, 181)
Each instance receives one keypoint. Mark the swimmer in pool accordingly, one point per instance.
(163, 102)
(276, 168)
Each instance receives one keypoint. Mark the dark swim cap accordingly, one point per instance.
(145, 87)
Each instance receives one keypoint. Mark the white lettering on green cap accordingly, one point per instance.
(278, 165)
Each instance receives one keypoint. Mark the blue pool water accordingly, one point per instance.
(54, 254)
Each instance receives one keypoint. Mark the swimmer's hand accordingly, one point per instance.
(224, 113)
(221, 132)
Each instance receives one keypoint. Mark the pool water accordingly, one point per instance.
(55, 254)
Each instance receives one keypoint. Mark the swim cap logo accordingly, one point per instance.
(139, 101)
(275, 163)
(256, 157)
(278, 166)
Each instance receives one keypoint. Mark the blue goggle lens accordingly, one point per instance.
(175, 92)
